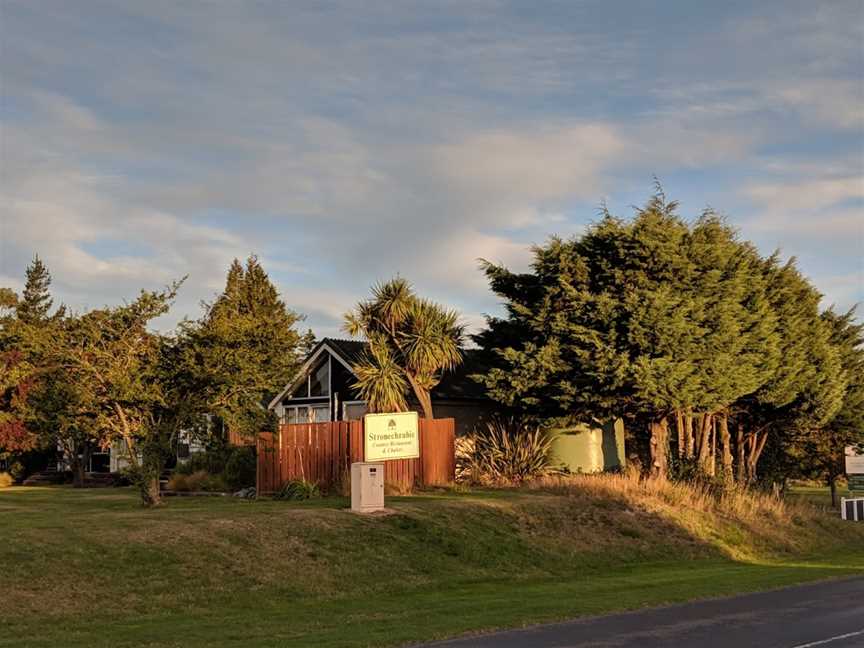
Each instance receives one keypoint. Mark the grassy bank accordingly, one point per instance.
(91, 568)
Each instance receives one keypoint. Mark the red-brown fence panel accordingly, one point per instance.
(322, 453)
(267, 474)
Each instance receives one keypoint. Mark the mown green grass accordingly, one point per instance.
(91, 568)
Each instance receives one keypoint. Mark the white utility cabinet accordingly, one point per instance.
(367, 487)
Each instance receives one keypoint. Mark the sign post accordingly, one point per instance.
(853, 508)
(385, 437)
(855, 468)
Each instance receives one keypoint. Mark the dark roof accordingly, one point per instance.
(351, 351)
(456, 384)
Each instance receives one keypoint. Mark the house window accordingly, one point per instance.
(319, 379)
(306, 414)
(353, 410)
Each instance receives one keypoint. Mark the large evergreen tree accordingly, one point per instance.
(816, 449)
(805, 389)
(28, 329)
(244, 348)
(650, 318)
(36, 302)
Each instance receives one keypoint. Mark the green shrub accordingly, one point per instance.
(240, 469)
(6, 480)
(298, 489)
(199, 461)
(506, 451)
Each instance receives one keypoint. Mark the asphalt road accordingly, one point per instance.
(829, 614)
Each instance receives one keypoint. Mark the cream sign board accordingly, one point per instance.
(391, 436)
(854, 461)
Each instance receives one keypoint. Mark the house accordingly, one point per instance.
(324, 389)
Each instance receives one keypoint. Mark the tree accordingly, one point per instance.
(649, 319)
(62, 413)
(27, 330)
(412, 341)
(36, 302)
(805, 389)
(115, 362)
(818, 450)
(243, 350)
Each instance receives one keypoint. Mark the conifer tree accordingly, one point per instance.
(36, 302)
(27, 330)
(816, 449)
(652, 319)
(805, 388)
(244, 348)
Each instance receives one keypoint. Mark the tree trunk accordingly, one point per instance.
(712, 457)
(739, 448)
(423, 397)
(150, 492)
(679, 426)
(726, 444)
(659, 448)
(832, 483)
(757, 445)
(76, 464)
(705, 442)
(688, 430)
(81, 477)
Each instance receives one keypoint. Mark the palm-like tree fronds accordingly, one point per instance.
(411, 342)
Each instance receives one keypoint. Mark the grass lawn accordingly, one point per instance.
(91, 568)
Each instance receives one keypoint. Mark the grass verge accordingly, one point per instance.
(91, 568)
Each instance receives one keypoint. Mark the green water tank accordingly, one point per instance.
(586, 449)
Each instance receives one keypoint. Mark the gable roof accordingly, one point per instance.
(455, 385)
(351, 351)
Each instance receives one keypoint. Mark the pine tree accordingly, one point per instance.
(244, 348)
(27, 331)
(35, 303)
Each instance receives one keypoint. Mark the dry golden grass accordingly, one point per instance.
(743, 524)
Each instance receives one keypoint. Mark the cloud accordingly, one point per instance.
(818, 217)
(807, 195)
(144, 142)
(529, 168)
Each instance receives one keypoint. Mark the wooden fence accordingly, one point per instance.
(322, 453)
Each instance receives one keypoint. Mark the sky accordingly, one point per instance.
(346, 142)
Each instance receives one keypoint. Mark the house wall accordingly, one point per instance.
(467, 412)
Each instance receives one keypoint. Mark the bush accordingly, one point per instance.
(241, 467)
(211, 461)
(506, 451)
(298, 489)
(200, 480)
(178, 482)
(228, 468)
(6, 480)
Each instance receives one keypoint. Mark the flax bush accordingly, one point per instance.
(298, 489)
(506, 451)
